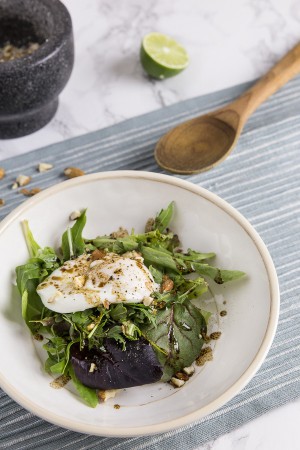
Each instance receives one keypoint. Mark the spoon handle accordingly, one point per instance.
(285, 69)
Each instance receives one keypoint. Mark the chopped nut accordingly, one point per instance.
(35, 190)
(15, 186)
(92, 367)
(147, 301)
(75, 215)
(149, 225)
(44, 167)
(189, 370)
(105, 395)
(23, 180)
(30, 192)
(79, 281)
(106, 304)
(97, 254)
(181, 376)
(122, 232)
(54, 297)
(215, 335)
(205, 355)
(73, 172)
(167, 284)
(60, 382)
(176, 382)
(2, 202)
(2, 173)
(38, 337)
(90, 326)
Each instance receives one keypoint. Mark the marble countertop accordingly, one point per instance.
(228, 42)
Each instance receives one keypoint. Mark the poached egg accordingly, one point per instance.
(86, 282)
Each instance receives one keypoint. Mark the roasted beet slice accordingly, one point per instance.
(115, 368)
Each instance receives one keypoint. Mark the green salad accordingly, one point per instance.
(115, 311)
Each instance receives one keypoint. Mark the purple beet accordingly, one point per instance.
(115, 368)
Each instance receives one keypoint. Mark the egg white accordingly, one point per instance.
(82, 283)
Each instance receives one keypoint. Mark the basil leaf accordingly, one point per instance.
(220, 276)
(73, 244)
(178, 333)
(87, 394)
(163, 219)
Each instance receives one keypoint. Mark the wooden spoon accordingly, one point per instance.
(201, 143)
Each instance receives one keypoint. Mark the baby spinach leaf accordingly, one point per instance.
(73, 244)
(87, 394)
(178, 333)
(58, 367)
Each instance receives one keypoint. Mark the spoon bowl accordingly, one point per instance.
(196, 145)
(201, 143)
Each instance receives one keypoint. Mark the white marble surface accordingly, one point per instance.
(229, 42)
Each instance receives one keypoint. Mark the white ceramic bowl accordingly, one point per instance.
(204, 222)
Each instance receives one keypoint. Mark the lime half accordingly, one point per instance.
(162, 57)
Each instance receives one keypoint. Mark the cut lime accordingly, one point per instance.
(162, 57)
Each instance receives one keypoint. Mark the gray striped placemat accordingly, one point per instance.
(261, 179)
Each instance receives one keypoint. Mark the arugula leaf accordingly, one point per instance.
(49, 258)
(220, 276)
(157, 274)
(73, 244)
(32, 270)
(116, 333)
(190, 289)
(178, 333)
(163, 219)
(118, 312)
(130, 330)
(103, 242)
(87, 394)
(191, 255)
(32, 245)
(159, 258)
(119, 245)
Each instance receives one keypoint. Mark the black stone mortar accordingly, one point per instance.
(29, 86)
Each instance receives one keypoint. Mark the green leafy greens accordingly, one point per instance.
(171, 323)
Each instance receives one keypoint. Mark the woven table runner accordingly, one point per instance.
(261, 179)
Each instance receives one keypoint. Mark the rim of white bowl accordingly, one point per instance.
(253, 367)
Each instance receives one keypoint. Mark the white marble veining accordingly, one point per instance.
(229, 42)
